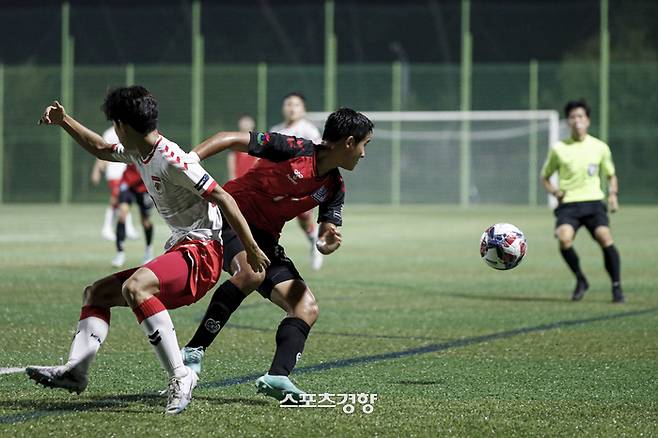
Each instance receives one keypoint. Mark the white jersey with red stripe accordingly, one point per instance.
(179, 186)
(302, 128)
(113, 170)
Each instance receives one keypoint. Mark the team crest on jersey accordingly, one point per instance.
(263, 138)
(592, 169)
(296, 176)
(157, 184)
(320, 194)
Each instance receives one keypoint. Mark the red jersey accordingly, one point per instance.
(243, 162)
(132, 179)
(284, 183)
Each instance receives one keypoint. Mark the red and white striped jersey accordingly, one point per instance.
(179, 186)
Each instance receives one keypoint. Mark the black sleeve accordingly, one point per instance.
(278, 147)
(332, 210)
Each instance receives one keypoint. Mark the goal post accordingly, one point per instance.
(420, 156)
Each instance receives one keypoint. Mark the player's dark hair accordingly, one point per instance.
(345, 122)
(134, 106)
(294, 94)
(573, 104)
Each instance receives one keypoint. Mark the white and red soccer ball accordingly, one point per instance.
(503, 246)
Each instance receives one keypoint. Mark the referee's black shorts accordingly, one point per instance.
(591, 214)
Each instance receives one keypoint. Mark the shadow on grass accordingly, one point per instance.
(120, 403)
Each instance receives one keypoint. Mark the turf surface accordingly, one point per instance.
(408, 311)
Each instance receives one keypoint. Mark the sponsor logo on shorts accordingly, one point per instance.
(212, 326)
(299, 356)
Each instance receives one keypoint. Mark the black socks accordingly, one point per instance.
(121, 235)
(612, 264)
(290, 339)
(226, 299)
(572, 260)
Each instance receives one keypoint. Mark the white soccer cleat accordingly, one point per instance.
(58, 377)
(148, 255)
(179, 392)
(108, 234)
(119, 259)
(316, 257)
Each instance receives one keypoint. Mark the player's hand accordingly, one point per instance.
(559, 195)
(257, 259)
(613, 203)
(53, 115)
(330, 241)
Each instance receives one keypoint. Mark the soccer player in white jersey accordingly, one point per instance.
(187, 198)
(296, 124)
(113, 173)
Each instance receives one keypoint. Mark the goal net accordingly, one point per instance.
(453, 157)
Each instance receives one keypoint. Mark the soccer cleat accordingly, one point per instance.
(581, 288)
(119, 259)
(316, 256)
(617, 295)
(192, 357)
(58, 377)
(278, 387)
(179, 392)
(148, 254)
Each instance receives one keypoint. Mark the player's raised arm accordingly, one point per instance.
(255, 256)
(92, 142)
(237, 141)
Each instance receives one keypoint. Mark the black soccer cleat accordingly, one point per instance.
(617, 295)
(581, 287)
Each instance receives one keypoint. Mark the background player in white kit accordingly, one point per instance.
(187, 198)
(295, 124)
(113, 173)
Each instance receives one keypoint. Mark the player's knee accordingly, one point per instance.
(131, 290)
(248, 280)
(565, 243)
(311, 310)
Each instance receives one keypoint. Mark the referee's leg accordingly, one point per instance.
(565, 234)
(611, 259)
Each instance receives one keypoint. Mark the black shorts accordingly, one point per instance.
(143, 199)
(281, 267)
(591, 214)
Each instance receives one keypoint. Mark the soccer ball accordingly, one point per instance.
(503, 246)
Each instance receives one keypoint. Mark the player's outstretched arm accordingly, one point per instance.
(255, 256)
(329, 238)
(548, 185)
(93, 143)
(237, 141)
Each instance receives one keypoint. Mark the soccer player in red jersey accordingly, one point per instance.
(186, 197)
(292, 175)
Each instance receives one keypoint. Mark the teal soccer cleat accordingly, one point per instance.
(278, 387)
(193, 357)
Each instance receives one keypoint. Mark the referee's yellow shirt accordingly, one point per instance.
(578, 164)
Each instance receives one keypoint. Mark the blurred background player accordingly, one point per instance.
(113, 173)
(295, 124)
(579, 160)
(237, 162)
(131, 189)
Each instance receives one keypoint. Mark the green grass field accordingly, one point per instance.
(407, 311)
